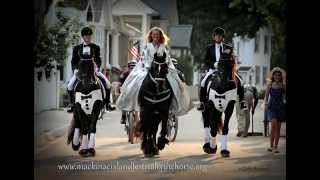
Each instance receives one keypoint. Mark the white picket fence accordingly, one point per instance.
(46, 91)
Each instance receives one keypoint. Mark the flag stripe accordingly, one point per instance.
(134, 52)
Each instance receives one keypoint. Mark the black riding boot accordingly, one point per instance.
(202, 98)
(72, 101)
(107, 101)
(123, 118)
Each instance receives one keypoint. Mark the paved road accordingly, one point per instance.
(183, 159)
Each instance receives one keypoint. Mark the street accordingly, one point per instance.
(182, 159)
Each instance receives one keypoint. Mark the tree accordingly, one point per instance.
(53, 42)
(185, 66)
(272, 13)
(243, 17)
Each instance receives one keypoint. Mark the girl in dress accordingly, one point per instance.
(157, 42)
(275, 104)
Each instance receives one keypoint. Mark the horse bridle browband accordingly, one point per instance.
(159, 63)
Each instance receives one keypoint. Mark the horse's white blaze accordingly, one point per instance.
(229, 96)
(87, 104)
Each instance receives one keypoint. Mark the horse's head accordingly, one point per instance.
(86, 72)
(159, 66)
(226, 67)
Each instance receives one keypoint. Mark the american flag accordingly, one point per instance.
(134, 51)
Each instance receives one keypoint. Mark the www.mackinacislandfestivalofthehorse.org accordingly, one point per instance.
(163, 166)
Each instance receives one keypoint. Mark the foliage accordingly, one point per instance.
(186, 67)
(53, 42)
(241, 17)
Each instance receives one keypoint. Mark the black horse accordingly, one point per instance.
(89, 95)
(155, 97)
(222, 93)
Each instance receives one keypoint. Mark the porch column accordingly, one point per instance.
(115, 49)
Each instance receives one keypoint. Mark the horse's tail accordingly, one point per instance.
(70, 132)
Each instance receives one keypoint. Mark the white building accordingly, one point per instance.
(116, 24)
(254, 57)
(93, 13)
(133, 20)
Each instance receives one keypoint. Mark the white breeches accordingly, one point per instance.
(206, 77)
(74, 78)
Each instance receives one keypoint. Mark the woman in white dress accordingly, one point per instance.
(156, 43)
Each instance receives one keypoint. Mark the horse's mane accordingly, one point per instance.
(230, 59)
(233, 68)
(87, 65)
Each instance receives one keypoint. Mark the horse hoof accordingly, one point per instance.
(156, 152)
(75, 147)
(162, 143)
(207, 149)
(239, 134)
(149, 155)
(225, 153)
(83, 153)
(91, 152)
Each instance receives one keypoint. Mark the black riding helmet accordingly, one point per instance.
(86, 31)
(219, 31)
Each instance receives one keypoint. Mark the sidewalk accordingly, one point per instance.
(49, 125)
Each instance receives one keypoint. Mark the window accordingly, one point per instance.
(89, 14)
(60, 68)
(155, 17)
(238, 48)
(257, 75)
(264, 75)
(256, 43)
(155, 23)
(266, 44)
(110, 49)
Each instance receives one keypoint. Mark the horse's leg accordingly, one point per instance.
(225, 130)
(145, 129)
(92, 127)
(207, 116)
(163, 118)
(215, 123)
(155, 124)
(142, 128)
(83, 122)
(76, 132)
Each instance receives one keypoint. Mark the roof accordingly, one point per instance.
(180, 35)
(131, 7)
(167, 9)
(81, 5)
(97, 9)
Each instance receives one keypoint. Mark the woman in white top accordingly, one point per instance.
(156, 43)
